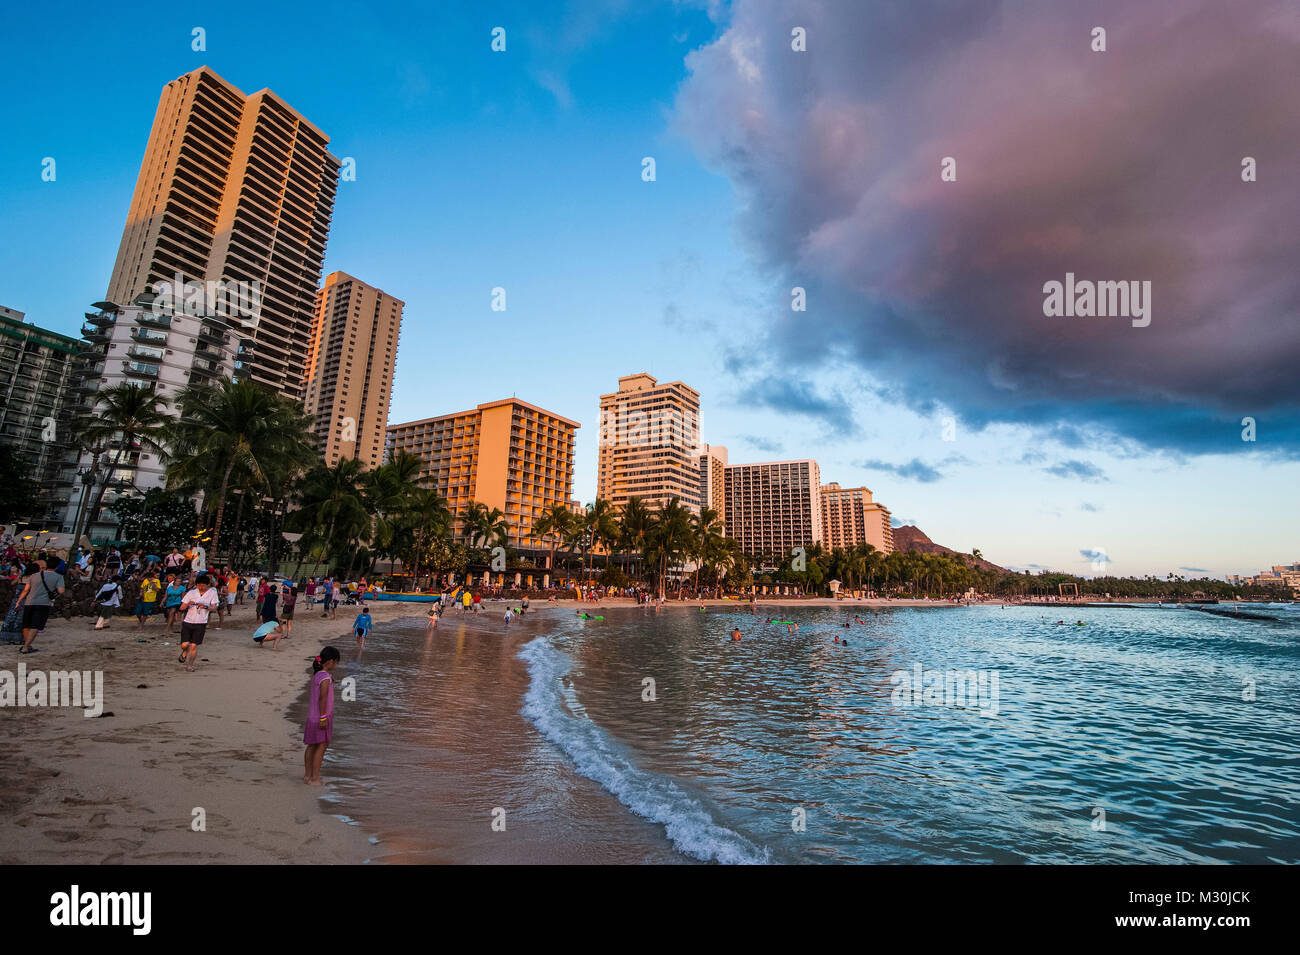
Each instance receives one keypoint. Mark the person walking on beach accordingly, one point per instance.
(232, 592)
(433, 620)
(269, 601)
(263, 588)
(172, 598)
(327, 595)
(361, 627)
(320, 715)
(150, 587)
(109, 599)
(290, 602)
(197, 605)
(39, 591)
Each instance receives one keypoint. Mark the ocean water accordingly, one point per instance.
(1145, 736)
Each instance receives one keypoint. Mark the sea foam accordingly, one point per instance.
(687, 822)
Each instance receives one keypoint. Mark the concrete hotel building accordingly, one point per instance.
(850, 517)
(350, 368)
(234, 188)
(713, 478)
(506, 454)
(151, 345)
(773, 507)
(649, 436)
(36, 370)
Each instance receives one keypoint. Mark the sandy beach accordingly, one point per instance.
(124, 787)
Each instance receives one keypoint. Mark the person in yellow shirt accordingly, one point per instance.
(148, 602)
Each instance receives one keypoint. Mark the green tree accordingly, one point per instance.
(18, 492)
(157, 521)
(240, 431)
(330, 510)
(555, 525)
(127, 419)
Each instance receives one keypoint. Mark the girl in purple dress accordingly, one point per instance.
(320, 715)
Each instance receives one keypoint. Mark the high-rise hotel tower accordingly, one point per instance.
(234, 188)
(649, 439)
(350, 369)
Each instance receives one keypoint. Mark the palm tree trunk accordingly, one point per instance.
(99, 495)
(221, 508)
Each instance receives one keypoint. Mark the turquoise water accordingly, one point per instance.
(1139, 715)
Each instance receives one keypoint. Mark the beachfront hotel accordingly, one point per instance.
(649, 436)
(774, 506)
(234, 189)
(150, 344)
(712, 460)
(850, 517)
(36, 373)
(350, 368)
(508, 454)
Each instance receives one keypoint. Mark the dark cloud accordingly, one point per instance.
(1097, 555)
(1079, 470)
(761, 443)
(913, 470)
(1123, 165)
(1194, 570)
(790, 396)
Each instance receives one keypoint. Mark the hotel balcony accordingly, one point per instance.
(135, 369)
(148, 337)
(154, 321)
(145, 354)
(206, 369)
(95, 333)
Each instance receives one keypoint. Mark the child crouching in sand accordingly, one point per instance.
(320, 715)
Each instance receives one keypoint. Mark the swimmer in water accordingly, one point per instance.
(735, 634)
(789, 628)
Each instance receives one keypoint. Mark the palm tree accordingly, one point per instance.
(240, 429)
(387, 495)
(601, 525)
(483, 526)
(706, 533)
(426, 520)
(557, 524)
(330, 502)
(635, 521)
(668, 538)
(130, 417)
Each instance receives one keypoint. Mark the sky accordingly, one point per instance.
(923, 364)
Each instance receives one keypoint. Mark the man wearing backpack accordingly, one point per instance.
(39, 590)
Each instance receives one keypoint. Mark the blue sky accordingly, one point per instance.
(522, 169)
